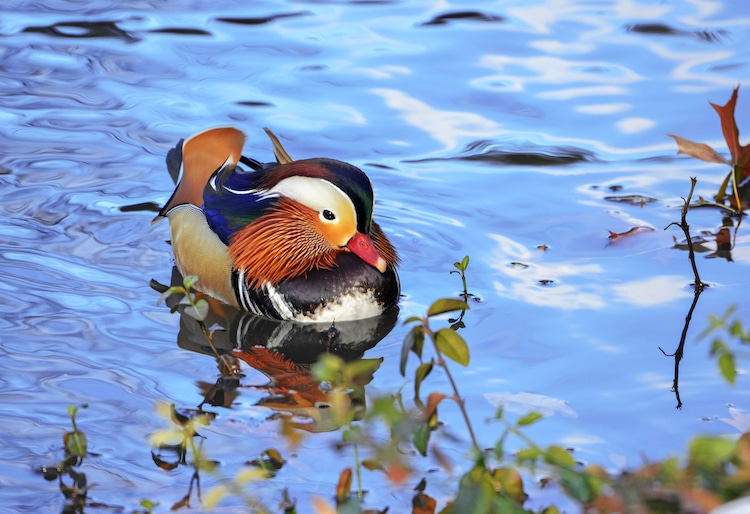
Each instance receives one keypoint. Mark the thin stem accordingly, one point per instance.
(358, 472)
(698, 289)
(457, 397)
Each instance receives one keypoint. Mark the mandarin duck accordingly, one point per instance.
(290, 240)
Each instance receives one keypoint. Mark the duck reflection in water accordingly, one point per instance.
(283, 351)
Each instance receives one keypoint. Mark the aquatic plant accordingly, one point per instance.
(739, 160)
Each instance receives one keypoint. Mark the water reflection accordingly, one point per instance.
(283, 352)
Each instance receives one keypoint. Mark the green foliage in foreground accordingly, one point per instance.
(715, 469)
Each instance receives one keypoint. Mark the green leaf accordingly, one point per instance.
(199, 311)
(452, 346)
(578, 485)
(528, 455)
(718, 346)
(414, 341)
(529, 418)
(75, 443)
(412, 319)
(499, 447)
(465, 263)
(422, 371)
(169, 292)
(446, 305)
(361, 368)
(189, 281)
(422, 437)
(475, 492)
(559, 457)
(727, 367)
(710, 453)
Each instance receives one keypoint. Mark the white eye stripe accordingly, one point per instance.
(318, 194)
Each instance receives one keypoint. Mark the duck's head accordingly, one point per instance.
(341, 198)
(318, 208)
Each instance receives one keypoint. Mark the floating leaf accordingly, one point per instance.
(452, 346)
(698, 150)
(631, 199)
(632, 231)
(446, 305)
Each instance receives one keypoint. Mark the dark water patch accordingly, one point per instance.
(181, 31)
(141, 207)
(444, 19)
(84, 29)
(662, 29)
(486, 151)
(262, 20)
(251, 103)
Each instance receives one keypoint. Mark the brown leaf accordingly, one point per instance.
(432, 403)
(699, 150)
(397, 472)
(740, 154)
(344, 486)
(615, 235)
(423, 504)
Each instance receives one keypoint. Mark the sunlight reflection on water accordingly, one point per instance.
(485, 134)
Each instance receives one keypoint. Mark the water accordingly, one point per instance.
(487, 131)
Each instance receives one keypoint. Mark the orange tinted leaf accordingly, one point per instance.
(615, 235)
(698, 150)
(397, 472)
(423, 504)
(432, 403)
(344, 485)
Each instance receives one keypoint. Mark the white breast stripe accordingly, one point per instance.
(283, 309)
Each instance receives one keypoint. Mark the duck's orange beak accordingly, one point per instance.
(362, 246)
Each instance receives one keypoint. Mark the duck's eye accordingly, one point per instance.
(328, 215)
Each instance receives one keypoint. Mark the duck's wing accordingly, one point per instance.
(232, 200)
(199, 157)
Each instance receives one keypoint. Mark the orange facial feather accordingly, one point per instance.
(282, 244)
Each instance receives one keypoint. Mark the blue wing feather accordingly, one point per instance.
(232, 201)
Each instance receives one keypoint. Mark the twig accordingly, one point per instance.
(698, 289)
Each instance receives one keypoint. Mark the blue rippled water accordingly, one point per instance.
(487, 131)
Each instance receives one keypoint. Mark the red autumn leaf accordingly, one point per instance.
(615, 235)
(740, 155)
(432, 404)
